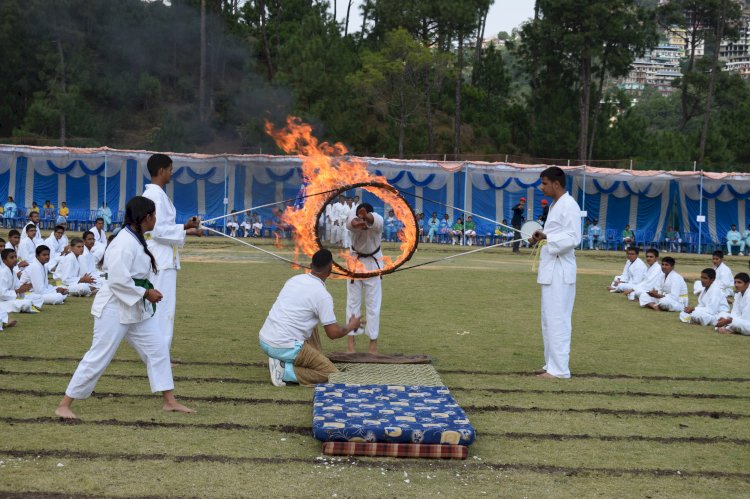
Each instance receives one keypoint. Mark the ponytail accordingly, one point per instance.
(135, 212)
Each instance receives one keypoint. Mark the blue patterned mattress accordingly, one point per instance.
(389, 413)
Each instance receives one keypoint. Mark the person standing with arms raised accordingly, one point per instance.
(557, 272)
(165, 240)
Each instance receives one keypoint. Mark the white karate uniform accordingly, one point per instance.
(724, 278)
(164, 243)
(9, 302)
(69, 274)
(27, 250)
(87, 263)
(633, 275)
(675, 293)
(100, 237)
(329, 222)
(41, 290)
(56, 248)
(120, 312)
(366, 248)
(339, 214)
(712, 304)
(38, 239)
(740, 314)
(557, 275)
(649, 282)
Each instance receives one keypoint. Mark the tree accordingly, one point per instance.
(393, 78)
(581, 38)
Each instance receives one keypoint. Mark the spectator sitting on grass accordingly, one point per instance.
(670, 295)
(738, 321)
(712, 303)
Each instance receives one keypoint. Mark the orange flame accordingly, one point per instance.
(326, 168)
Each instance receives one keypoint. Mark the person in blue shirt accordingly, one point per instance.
(595, 235)
(746, 237)
(433, 224)
(11, 211)
(391, 226)
(734, 238)
(444, 229)
(105, 214)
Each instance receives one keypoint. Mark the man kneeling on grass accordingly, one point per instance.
(290, 337)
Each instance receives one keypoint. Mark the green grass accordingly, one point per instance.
(655, 407)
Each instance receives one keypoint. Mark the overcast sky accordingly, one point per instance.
(504, 15)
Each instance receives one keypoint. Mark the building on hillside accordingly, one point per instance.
(736, 54)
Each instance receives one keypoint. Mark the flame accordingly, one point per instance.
(325, 168)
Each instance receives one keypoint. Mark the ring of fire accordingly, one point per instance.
(407, 249)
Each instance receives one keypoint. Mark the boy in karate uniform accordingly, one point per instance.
(69, 271)
(670, 295)
(739, 320)
(35, 276)
(712, 303)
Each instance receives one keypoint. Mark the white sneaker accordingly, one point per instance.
(277, 372)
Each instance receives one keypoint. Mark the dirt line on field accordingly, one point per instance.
(599, 375)
(33, 494)
(25, 358)
(608, 393)
(386, 464)
(615, 412)
(308, 431)
(468, 409)
(104, 395)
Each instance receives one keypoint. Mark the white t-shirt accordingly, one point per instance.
(303, 303)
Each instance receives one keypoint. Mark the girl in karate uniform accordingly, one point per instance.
(123, 309)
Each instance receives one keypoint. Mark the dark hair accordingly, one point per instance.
(634, 248)
(2, 241)
(13, 232)
(86, 234)
(367, 206)
(653, 251)
(75, 241)
(742, 276)
(99, 219)
(321, 260)
(156, 162)
(29, 226)
(711, 273)
(41, 248)
(718, 253)
(135, 211)
(7, 251)
(669, 260)
(33, 213)
(554, 174)
(59, 227)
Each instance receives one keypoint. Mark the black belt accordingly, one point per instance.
(368, 255)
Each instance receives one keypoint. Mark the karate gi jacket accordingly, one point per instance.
(8, 283)
(635, 272)
(724, 276)
(563, 231)
(36, 274)
(713, 301)
(673, 286)
(125, 260)
(168, 236)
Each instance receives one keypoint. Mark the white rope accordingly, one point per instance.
(250, 245)
(265, 206)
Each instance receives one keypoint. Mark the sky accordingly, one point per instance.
(504, 15)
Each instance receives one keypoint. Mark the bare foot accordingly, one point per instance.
(653, 306)
(546, 375)
(176, 407)
(10, 324)
(723, 330)
(350, 344)
(65, 412)
(373, 347)
(540, 371)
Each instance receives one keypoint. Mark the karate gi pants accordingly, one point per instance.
(624, 286)
(373, 291)
(16, 306)
(667, 303)
(166, 283)
(46, 299)
(740, 326)
(700, 316)
(79, 289)
(144, 337)
(557, 311)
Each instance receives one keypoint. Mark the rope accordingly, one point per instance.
(290, 200)
(535, 254)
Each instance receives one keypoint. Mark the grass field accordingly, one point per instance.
(655, 408)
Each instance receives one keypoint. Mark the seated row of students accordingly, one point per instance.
(25, 269)
(660, 287)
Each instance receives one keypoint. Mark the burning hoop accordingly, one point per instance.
(409, 242)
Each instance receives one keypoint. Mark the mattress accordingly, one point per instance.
(389, 413)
